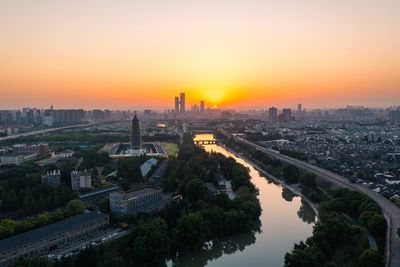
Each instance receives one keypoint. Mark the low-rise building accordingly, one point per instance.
(52, 178)
(142, 200)
(16, 159)
(81, 179)
(96, 195)
(145, 168)
(40, 241)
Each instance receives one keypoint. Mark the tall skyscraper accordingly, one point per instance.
(182, 103)
(273, 115)
(299, 108)
(287, 114)
(201, 106)
(136, 137)
(176, 104)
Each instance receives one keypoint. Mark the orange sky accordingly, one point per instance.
(129, 54)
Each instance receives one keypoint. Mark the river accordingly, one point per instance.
(285, 220)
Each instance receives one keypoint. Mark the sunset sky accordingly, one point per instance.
(137, 54)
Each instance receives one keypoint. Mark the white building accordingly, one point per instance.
(16, 159)
(81, 179)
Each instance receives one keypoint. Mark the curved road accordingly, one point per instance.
(390, 210)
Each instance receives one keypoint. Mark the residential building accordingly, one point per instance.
(182, 102)
(142, 200)
(16, 159)
(176, 105)
(81, 179)
(52, 178)
(273, 115)
(287, 114)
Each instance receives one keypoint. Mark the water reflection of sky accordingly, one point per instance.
(285, 220)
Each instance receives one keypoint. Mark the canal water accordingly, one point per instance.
(285, 220)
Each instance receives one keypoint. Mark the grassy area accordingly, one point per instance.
(171, 148)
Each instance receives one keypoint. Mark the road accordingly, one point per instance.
(50, 130)
(390, 210)
(92, 241)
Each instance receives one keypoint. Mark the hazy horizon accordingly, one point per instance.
(140, 54)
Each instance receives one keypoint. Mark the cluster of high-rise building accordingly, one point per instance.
(284, 116)
(180, 103)
(51, 116)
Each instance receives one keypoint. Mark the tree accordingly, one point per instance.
(129, 169)
(75, 207)
(370, 258)
(308, 180)
(152, 244)
(7, 228)
(195, 191)
(190, 232)
(290, 174)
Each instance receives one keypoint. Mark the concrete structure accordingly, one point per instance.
(176, 105)
(40, 241)
(202, 106)
(142, 200)
(146, 166)
(287, 114)
(136, 136)
(52, 178)
(182, 103)
(97, 195)
(81, 179)
(16, 159)
(273, 115)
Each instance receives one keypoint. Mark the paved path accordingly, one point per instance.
(390, 210)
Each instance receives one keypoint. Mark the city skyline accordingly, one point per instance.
(135, 54)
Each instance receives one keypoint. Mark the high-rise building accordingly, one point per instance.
(273, 115)
(202, 106)
(182, 102)
(287, 114)
(299, 108)
(176, 104)
(394, 115)
(136, 137)
(52, 178)
(81, 179)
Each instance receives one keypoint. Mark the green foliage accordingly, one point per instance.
(74, 207)
(190, 232)
(10, 227)
(338, 240)
(370, 258)
(308, 180)
(290, 174)
(37, 262)
(195, 190)
(152, 243)
(129, 169)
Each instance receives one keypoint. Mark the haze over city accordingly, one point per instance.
(234, 54)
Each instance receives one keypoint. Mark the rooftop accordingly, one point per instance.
(48, 230)
(138, 193)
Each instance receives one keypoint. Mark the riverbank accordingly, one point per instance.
(275, 179)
